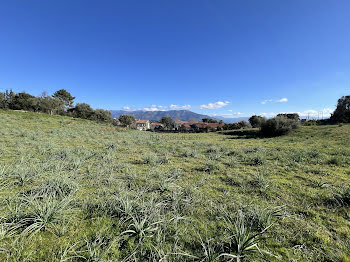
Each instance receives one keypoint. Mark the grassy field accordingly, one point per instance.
(75, 190)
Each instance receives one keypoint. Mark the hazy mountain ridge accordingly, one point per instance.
(183, 115)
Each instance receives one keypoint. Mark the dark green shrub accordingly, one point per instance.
(256, 121)
(278, 126)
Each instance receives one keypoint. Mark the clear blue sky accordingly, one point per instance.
(252, 56)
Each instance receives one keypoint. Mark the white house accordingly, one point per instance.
(143, 124)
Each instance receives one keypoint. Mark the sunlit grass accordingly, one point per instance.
(75, 190)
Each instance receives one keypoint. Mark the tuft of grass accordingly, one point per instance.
(57, 187)
(211, 166)
(256, 160)
(241, 241)
(43, 212)
(341, 196)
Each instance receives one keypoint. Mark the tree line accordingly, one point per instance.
(60, 103)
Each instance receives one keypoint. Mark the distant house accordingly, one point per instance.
(143, 124)
(181, 124)
(156, 125)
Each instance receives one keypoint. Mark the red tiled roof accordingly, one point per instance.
(141, 121)
(200, 124)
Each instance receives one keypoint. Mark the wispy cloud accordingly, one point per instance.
(325, 112)
(158, 108)
(282, 100)
(154, 108)
(270, 114)
(215, 105)
(266, 101)
(231, 115)
(178, 107)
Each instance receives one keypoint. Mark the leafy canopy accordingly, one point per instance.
(65, 97)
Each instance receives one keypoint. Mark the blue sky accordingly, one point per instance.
(231, 58)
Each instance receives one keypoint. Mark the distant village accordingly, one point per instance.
(178, 125)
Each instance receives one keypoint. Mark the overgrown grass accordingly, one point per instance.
(75, 190)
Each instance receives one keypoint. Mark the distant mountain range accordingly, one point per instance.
(231, 120)
(184, 115)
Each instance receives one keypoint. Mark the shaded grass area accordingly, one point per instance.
(75, 190)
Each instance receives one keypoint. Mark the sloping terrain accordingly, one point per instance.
(75, 190)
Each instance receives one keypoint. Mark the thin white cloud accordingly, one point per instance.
(178, 107)
(215, 105)
(154, 108)
(270, 114)
(282, 100)
(325, 113)
(230, 110)
(231, 115)
(266, 101)
(158, 108)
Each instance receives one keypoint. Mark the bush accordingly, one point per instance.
(256, 121)
(238, 125)
(310, 123)
(278, 126)
(342, 112)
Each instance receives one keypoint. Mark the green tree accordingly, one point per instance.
(237, 125)
(256, 121)
(65, 97)
(278, 126)
(209, 120)
(342, 113)
(167, 122)
(293, 116)
(83, 110)
(9, 97)
(127, 120)
(22, 101)
(2, 101)
(103, 116)
(50, 105)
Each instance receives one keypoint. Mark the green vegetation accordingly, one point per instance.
(167, 122)
(256, 121)
(342, 112)
(278, 126)
(127, 120)
(60, 103)
(238, 125)
(77, 190)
